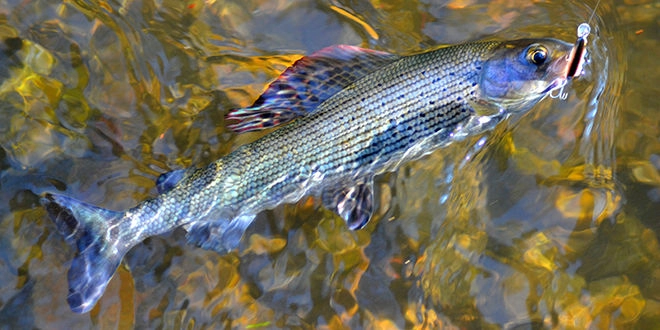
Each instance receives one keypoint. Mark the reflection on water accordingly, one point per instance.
(552, 222)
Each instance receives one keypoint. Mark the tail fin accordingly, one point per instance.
(88, 228)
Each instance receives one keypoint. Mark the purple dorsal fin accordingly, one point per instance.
(307, 83)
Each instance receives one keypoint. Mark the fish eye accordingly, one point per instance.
(537, 54)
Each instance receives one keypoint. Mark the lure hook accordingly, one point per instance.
(560, 93)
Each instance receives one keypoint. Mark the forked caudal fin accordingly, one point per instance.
(88, 228)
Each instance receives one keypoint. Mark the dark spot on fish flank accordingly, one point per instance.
(474, 83)
(478, 67)
(452, 74)
(459, 98)
(383, 103)
(363, 99)
(431, 102)
(401, 97)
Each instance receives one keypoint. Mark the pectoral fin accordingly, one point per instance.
(353, 204)
(306, 84)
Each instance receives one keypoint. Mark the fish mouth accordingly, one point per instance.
(567, 68)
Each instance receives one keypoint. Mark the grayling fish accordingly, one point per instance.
(352, 113)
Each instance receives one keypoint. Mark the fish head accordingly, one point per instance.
(520, 73)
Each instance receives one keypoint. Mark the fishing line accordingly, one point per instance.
(593, 12)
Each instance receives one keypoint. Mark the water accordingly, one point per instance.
(550, 220)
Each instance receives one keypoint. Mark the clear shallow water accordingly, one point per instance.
(553, 223)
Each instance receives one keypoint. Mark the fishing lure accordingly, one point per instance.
(575, 58)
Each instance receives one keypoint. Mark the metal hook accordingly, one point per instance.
(560, 93)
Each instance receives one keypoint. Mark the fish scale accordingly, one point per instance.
(315, 141)
(378, 111)
(373, 100)
(282, 177)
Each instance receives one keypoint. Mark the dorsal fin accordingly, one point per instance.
(307, 83)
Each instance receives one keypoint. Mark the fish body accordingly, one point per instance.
(350, 114)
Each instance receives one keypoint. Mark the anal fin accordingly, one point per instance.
(354, 204)
(221, 236)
